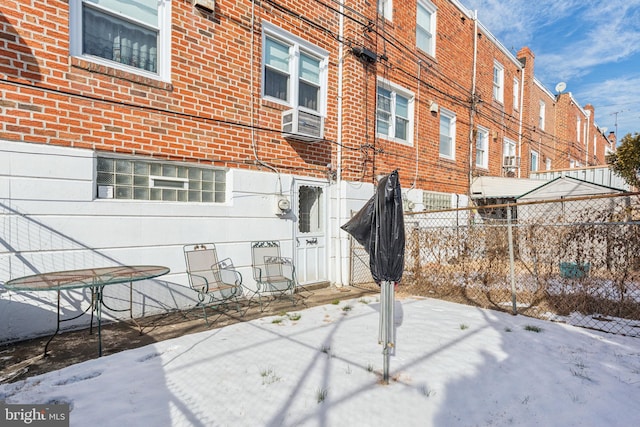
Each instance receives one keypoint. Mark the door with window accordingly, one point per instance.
(310, 232)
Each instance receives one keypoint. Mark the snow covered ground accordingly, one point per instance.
(454, 365)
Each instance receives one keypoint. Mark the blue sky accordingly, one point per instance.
(593, 46)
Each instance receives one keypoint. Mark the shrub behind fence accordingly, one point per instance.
(572, 260)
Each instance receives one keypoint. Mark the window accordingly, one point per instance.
(447, 134)
(534, 161)
(578, 127)
(482, 147)
(385, 8)
(548, 164)
(586, 137)
(498, 82)
(120, 178)
(294, 71)
(310, 209)
(516, 94)
(436, 201)
(131, 35)
(509, 154)
(426, 27)
(394, 112)
(542, 115)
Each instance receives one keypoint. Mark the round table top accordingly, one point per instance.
(87, 277)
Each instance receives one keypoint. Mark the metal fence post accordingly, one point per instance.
(511, 260)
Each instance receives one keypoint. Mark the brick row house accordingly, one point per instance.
(130, 129)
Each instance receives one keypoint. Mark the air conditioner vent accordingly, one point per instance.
(302, 125)
(511, 162)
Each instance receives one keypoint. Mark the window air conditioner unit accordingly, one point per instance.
(302, 126)
(511, 162)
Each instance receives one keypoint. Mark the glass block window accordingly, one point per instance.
(436, 201)
(146, 180)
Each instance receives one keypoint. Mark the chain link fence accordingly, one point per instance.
(573, 260)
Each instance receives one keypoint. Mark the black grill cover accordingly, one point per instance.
(379, 227)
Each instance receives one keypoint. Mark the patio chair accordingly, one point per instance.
(216, 282)
(274, 274)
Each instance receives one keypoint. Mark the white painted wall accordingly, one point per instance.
(50, 220)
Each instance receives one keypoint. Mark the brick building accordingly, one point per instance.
(130, 129)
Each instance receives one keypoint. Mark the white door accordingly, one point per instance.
(309, 234)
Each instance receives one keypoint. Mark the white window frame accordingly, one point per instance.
(451, 116)
(578, 128)
(296, 46)
(163, 70)
(548, 163)
(534, 161)
(508, 150)
(385, 8)
(516, 94)
(498, 82)
(396, 91)
(482, 149)
(432, 10)
(542, 115)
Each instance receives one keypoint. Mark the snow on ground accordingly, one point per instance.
(454, 365)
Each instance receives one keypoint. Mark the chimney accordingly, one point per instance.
(612, 138)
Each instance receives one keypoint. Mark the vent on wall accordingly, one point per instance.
(205, 6)
(511, 162)
(302, 125)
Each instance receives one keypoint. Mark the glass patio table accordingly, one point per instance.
(93, 278)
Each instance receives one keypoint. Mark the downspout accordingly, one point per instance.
(473, 99)
(520, 121)
(586, 141)
(339, 281)
(417, 130)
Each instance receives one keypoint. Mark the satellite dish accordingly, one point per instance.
(604, 129)
(561, 87)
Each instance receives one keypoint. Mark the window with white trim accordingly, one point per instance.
(394, 112)
(426, 27)
(133, 35)
(482, 147)
(509, 154)
(516, 94)
(498, 82)
(578, 127)
(447, 134)
(293, 71)
(542, 115)
(586, 137)
(548, 164)
(141, 179)
(534, 161)
(385, 9)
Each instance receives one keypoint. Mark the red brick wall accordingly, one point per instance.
(204, 114)
(212, 110)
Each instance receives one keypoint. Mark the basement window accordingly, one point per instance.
(133, 179)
